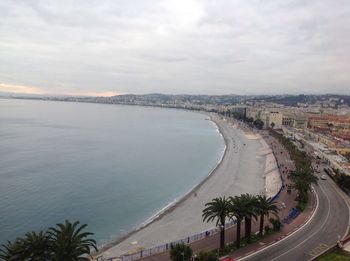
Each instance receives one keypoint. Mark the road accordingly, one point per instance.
(330, 222)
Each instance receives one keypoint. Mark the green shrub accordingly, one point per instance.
(180, 252)
(207, 256)
(301, 206)
(267, 229)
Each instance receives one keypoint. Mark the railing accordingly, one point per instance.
(163, 248)
(282, 180)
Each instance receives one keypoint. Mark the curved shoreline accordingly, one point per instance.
(184, 217)
(171, 206)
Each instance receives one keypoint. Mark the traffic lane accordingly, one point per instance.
(290, 248)
(330, 220)
(333, 226)
(339, 219)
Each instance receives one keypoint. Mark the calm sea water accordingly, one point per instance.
(109, 166)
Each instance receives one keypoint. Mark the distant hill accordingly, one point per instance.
(182, 100)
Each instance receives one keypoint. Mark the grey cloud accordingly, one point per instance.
(182, 46)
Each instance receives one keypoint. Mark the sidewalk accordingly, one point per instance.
(285, 201)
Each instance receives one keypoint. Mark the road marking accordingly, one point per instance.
(345, 198)
(290, 234)
(321, 227)
(318, 250)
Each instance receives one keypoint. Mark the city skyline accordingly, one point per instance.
(179, 47)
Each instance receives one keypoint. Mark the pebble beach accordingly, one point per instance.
(247, 166)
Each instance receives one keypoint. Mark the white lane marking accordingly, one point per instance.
(321, 227)
(288, 235)
(345, 198)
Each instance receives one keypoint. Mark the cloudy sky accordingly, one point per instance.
(175, 46)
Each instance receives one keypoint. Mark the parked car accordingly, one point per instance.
(323, 177)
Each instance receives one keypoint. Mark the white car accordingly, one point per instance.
(323, 177)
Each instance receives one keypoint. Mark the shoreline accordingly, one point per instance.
(224, 179)
(172, 205)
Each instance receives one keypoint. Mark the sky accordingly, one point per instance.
(103, 48)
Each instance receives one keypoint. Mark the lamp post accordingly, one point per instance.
(283, 207)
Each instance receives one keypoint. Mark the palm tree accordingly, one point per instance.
(236, 211)
(11, 251)
(218, 209)
(33, 247)
(69, 243)
(265, 206)
(303, 179)
(249, 210)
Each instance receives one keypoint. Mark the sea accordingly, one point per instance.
(113, 167)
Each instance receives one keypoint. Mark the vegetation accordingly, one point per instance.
(207, 256)
(343, 182)
(250, 210)
(336, 255)
(243, 207)
(180, 252)
(258, 123)
(302, 181)
(218, 209)
(302, 177)
(300, 158)
(264, 208)
(347, 156)
(236, 211)
(66, 242)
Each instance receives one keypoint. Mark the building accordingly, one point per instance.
(334, 125)
(275, 118)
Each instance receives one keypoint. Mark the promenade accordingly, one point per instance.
(242, 155)
(285, 201)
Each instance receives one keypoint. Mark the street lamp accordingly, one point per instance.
(283, 207)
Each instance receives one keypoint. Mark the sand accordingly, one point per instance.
(241, 170)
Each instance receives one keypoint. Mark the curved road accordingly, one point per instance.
(330, 221)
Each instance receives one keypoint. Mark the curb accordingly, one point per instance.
(283, 237)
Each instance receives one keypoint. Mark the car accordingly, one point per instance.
(323, 177)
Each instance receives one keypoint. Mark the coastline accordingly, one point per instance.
(226, 168)
(172, 205)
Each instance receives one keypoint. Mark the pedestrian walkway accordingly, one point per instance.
(285, 201)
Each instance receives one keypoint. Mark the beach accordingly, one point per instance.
(242, 170)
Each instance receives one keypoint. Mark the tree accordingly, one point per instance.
(180, 252)
(249, 210)
(259, 124)
(11, 251)
(264, 207)
(249, 120)
(67, 242)
(343, 181)
(70, 243)
(272, 125)
(236, 211)
(33, 247)
(302, 181)
(218, 209)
